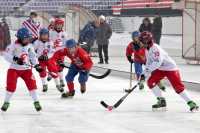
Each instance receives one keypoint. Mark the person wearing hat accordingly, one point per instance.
(6, 33)
(103, 35)
(33, 26)
(146, 25)
(88, 35)
(81, 64)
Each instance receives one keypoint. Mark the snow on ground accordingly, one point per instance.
(84, 114)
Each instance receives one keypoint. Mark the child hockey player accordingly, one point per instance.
(58, 36)
(139, 56)
(80, 63)
(44, 49)
(139, 59)
(158, 66)
(21, 55)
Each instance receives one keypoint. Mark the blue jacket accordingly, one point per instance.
(88, 33)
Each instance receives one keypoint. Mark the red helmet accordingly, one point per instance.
(59, 21)
(146, 38)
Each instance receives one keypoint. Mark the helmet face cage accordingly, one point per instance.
(146, 38)
(23, 36)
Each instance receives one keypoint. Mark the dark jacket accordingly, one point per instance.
(88, 34)
(7, 39)
(145, 28)
(103, 34)
(157, 26)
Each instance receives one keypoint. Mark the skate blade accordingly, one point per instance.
(195, 110)
(162, 109)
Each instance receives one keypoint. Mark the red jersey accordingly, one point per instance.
(139, 55)
(81, 58)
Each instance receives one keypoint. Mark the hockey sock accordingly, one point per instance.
(34, 95)
(56, 80)
(70, 86)
(8, 96)
(156, 91)
(185, 96)
(43, 81)
(61, 75)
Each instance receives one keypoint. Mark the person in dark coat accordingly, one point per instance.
(103, 35)
(146, 25)
(157, 28)
(6, 30)
(1, 36)
(88, 35)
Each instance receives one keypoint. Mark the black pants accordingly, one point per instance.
(157, 39)
(104, 49)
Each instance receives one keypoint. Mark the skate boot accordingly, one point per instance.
(60, 89)
(45, 88)
(49, 78)
(193, 106)
(68, 94)
(37, 106)
(161, 105)
(141, 85)
(5, 106)
(83, 88)
(161, 86)
(101, 61)
(62, 84)
(106, 61)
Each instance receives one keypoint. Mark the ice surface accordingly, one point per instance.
(84, 114)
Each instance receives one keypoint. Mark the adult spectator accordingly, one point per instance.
(6, 32)
(103, 35)
(157, 28)
(32, 25)
(88, 35)
(146, 25)
(1, 36)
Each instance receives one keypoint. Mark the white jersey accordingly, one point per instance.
(42, 48)
(26, 53)
(157, 58)
(58, 38)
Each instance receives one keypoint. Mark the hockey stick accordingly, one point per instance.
(96, 76)
(110, 108)
(51, 73)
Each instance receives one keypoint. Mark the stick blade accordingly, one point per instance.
(104, 104)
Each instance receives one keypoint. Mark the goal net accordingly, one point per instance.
(191, 29)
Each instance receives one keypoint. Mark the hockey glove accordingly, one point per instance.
(130, 59)
(18, 60)
(38, 68)
(61, 63)
(43, 58)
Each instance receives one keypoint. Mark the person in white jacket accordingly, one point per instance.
(58, 36)
(158, 66)
(44, 49)
(22, 57)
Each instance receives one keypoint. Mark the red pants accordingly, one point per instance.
(51, 65)
(26, 75)
(173, 77)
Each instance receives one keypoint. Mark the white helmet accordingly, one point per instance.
(102, 17)
(51, 20)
